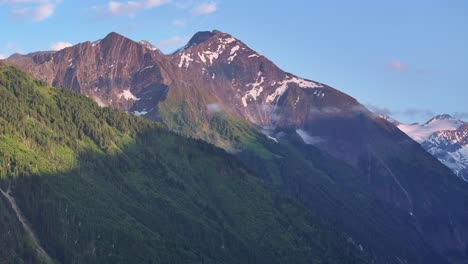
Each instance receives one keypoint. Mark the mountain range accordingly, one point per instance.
(344, 165)
(446, 138)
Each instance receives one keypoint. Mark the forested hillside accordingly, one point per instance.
(100, 186)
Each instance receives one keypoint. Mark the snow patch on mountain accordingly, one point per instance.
(388, 118)
(278, 93)
(303, 83)
(234, 49)
(256, 90)
(148, 45)
(297, 101)
(144, 69)
(233, 53)
(210, 56)
(127, 95)
(226, 41)
(319, 93)
(96, 43)
(284, 85)
(185, 59)
(143, 112)
(272, 138)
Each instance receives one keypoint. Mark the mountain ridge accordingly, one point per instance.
(221, 91)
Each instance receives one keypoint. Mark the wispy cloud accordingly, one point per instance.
(214, 108)
(308, 139)
(461, 115)
(35, 10)
(425, 72)
(412, 114)
(178, 22)
(129, 8)
(379, 110)
(204, 9)
(60, 45)
(171, 43)
(9, 48)
(184, 4)
(396, 65)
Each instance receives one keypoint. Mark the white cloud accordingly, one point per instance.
(204, 9)
(308, 139)
(418, 113)
(60, 45)
(173, 42)
(129, 8)
(2, 57)
(35, 10)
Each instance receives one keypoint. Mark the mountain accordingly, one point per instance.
(421, 132)
(446, 138)
(126, 74)
(451, 148)
(84, 184)
(306, 140)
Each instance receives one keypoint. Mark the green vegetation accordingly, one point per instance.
(100, 186)
(333, 192)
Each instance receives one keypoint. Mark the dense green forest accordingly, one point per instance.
(100, 186)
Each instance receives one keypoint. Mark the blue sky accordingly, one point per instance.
(405, 58)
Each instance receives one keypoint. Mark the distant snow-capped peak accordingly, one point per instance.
(421, 132)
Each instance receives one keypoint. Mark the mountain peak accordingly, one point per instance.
(114, 37)
(204, 36)
(200, 37)
(442, 117)
(420, 133)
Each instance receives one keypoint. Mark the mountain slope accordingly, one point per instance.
(99, 186)
(446, 138)
(311, 142)
(451, 148)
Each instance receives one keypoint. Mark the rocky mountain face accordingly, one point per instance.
(451, 148)
(218, 89)
(111, 70)
(446, 138)
(136, 76)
